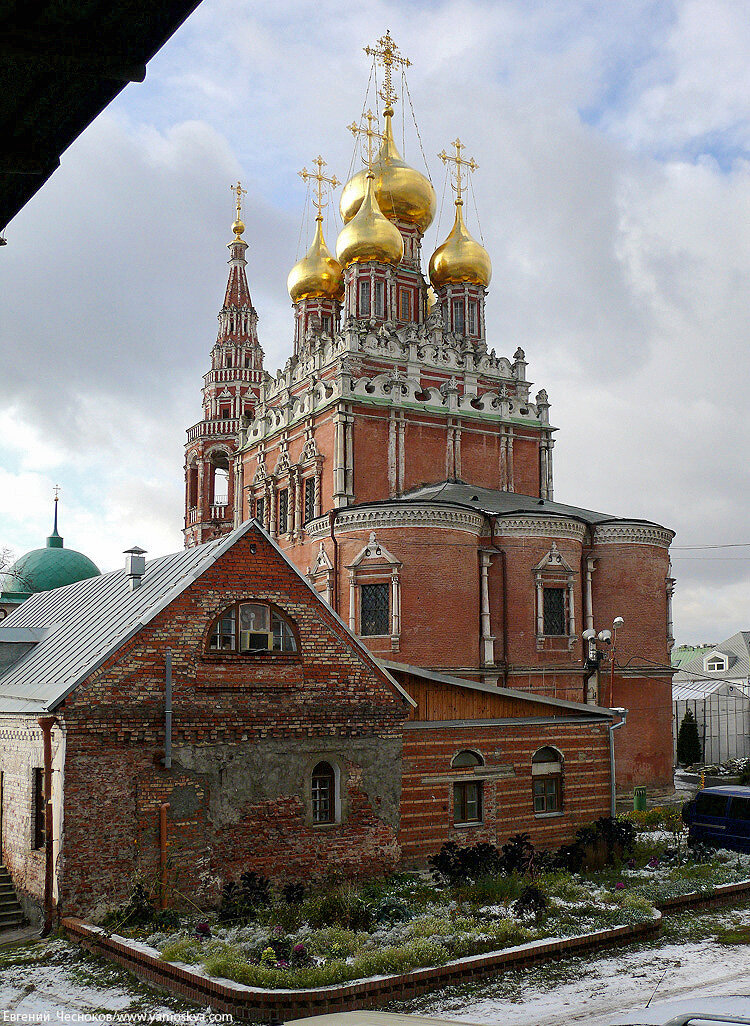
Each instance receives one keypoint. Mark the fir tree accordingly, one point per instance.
(688, 742)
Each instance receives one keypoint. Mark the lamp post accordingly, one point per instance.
(595, 653)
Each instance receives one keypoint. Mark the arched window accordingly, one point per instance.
(546, 775)
(220, 479)
(323, 793)
(468, 797)
(251, 627)
(467, 758)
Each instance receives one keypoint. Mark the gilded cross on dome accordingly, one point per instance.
(459, 162)
(369, 133)
(319, 178)
(238, 227)
(386, 53)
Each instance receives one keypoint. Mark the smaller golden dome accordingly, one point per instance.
(431, 299)
(403, 193)
(238, 228)
(369, 235)
(460, 258)
(317, 275)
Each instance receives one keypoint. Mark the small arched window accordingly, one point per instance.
(323, 793)
(251, 627)
(546, 774)
(467, 758)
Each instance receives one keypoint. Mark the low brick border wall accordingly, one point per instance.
(254, 1004)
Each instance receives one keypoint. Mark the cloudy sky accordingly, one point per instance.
(613, 195)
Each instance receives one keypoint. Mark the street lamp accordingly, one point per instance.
(595, 654)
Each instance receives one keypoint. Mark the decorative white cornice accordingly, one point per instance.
(378, 518)
(539, 527)
(624, 533)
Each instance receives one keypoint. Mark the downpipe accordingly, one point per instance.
(612, 727)
(47, 723)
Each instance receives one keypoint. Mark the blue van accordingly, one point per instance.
(720, 816)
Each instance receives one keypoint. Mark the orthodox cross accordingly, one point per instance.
(386, 53)
(239, 192)
(369, 133)
(459, 162)
(56, 490)
(319, 178)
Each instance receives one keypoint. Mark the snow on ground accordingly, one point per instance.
(604, 990)
(55, 981)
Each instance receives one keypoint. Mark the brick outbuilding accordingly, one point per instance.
(290, 748)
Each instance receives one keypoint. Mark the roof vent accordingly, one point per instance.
(135, 566)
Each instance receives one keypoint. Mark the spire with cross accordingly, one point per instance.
(458, 162)
(238, 227)
(320, 179)
(369, 134)
(386, 54)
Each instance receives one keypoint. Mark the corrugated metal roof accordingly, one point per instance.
(86, 622)
(737, 651)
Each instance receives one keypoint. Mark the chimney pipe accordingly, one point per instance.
(135, 566)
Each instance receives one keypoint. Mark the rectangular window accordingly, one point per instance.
(39, 817)
(326, 325)
(255, 628)
(554, 612)
(467, 801)
(473, 318)
(283, 510)
(380, 299)
(309, 499)
(546, 794)
(375, 610)
(459, 324)
(225, 412)
(322, 798)
(259, 510)
(364, 298)
(404, 304)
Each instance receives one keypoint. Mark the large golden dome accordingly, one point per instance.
(402, 193)
(318, 275)
(369, 235)
(460, 258)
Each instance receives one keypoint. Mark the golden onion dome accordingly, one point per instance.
(460, 258)
(402, 193)
(318, 275)
(369, 235)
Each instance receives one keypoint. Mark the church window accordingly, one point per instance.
(248, 627)
(326, 323)
(40, 824)
(309, 499)
(323, 793)
(473, 317)
(554, 612)
(192, 486)
(247, 359)
(459, 325)
(380, 299)
(220, 482)
(283, 511)
(225, 412)
(546, 775)
(364, 298)
(374, 610)
(404, 304)
(259, 510)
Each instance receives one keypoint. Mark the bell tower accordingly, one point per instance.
(230, 392)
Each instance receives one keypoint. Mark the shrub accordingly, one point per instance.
(457, 865)
(240, 901)
(517, 855)
(186, 949)
(532, 902)
(688, 742)
(294, 893)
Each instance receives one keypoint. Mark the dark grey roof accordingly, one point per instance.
(692, 680)
(493, 689)
(490, 500)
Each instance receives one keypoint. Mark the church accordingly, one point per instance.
(405, 467)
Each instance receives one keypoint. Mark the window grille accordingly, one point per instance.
(364, 298)
(309, 499)
(459, 323)
(282, 524)
(374, 611)
(554, 611)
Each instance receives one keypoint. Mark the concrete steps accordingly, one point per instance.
(11, 913)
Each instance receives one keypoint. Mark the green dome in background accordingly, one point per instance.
(44, 569)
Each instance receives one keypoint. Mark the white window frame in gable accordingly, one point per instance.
(715, 657)
(374, 564)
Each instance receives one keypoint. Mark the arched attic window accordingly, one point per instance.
(247, 627)
(467, 758)
(547, 776)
